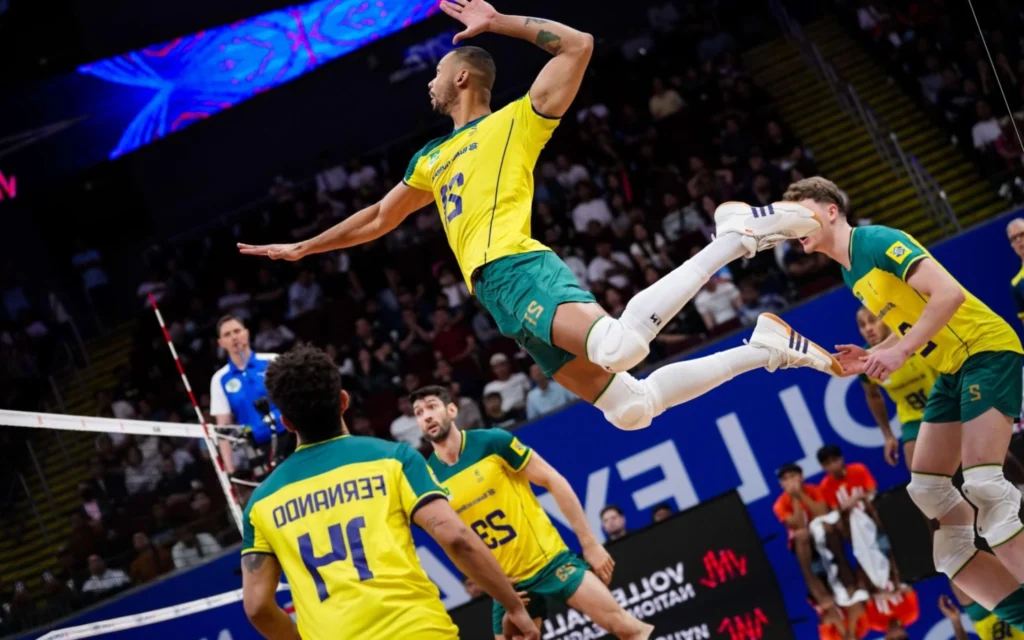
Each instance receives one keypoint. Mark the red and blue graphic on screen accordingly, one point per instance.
(175, 84)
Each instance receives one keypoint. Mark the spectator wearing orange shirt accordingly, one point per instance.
(799, 504)
(837, 623)
(845, 485)
(891, 613)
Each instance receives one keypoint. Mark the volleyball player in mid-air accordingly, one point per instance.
(480, 176)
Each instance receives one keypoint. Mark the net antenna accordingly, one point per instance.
(995, 72)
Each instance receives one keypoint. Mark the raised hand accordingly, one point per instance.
(851, 357)
(290, 252)
(477, 15)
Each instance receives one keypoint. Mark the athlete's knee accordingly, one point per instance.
(617, 344)
(630, 404)
(997, 500)
(801, 536)
(934, 495)
(952, 548)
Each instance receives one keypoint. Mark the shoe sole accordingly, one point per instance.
(834, 366)
(814, 215)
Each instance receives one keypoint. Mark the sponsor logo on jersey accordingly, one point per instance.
(886, 309)
(234, 385)
(898, 252)
(518, 447)
(433, 158)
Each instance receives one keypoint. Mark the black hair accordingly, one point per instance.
(663, 505)
(306, 386)
(228, 318)
(789, 467)
(482, 63)
(492, 394)
(829, 452)
(611, 507)
(441, 393)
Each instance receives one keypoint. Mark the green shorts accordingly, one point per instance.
(521, 292)
(910, 431)
(559, 580)
(987, 380)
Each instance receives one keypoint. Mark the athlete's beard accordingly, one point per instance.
(445, 100)
(442, 431)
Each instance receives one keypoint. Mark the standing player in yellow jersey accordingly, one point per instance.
(480, 177)
(336, 517)
(908, 387)
(969, 415)
(488, 473)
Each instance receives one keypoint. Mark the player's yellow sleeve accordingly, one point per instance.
(253, 540)
(417, 484)
(416, 174)
(894, 251)
(508, 447)
(536, 127)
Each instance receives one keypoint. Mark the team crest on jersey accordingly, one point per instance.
(563, 572)
(479, 476)
(234, 385)
(898, 252)
(432, 159)
(518, 447)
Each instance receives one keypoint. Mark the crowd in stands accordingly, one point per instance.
(668, 127)
(935, 45)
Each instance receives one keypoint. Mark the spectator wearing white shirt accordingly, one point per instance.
(234, 302)
(610, 266)
(360, 175)
(139, 477)
(331, 179)
(304, 294)
(512, 387)
(103, 580)
(404, 427)
(718, 302)
(590, 208)
(182, 458)
(547, 396)
(193, 549)
(569, 174)
(649, 250)
(664, 101)
(986, 131)
(271, 338)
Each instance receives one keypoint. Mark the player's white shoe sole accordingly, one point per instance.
(789, 349)
(764, 227)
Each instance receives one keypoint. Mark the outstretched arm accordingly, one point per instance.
(364, 226)
(260, 574)
(556, 86)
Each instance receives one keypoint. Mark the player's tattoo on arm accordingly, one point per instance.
(253, 561)
(550, 42)
(530, 21)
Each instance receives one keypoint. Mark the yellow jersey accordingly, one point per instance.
(989, 627)
(336, 515)
(493, 499)
(909, 387)
(1017, 287)
(880, 259)
(481, 176)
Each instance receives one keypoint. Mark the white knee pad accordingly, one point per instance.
(998, 503)
(952, 548)
(630, 404)
(617, 345)
(935, 496)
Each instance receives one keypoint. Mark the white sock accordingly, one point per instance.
(651, 309)
(681, 382)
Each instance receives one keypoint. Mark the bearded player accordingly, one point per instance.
(488, 473)
(480, 177)
(968, 417)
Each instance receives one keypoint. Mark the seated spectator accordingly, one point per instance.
(150, 561)
(613, 522)
(575, 264)
(569, 174)
(452, 342)
(163, 525)
(107, 482)
(82, 541)
(103, 581)
(590, 208)
(650, 250)
(845, 486)
(304, 294)
(612, 267)
(332, 179)
(193, 548)
(273, 339)
(614, 302)
(661, 513)
(494, 416)
(547, 396)
(139, 477)
(269, 293)
(95, 507)
(453, 287)
(154, 285)
(718, 302)
(665, 101)
(183, 460)
(779, 145)
(234, 302)
(60, 588)
(404, 427)
(173, 487)
(512, 387)
(755, 302)
(412, 337)
(986, 129)
(469, 411)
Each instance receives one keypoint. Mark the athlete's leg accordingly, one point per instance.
(805, 559)
(986, 440)
(979, 575)
(908, 453)
(593, 598)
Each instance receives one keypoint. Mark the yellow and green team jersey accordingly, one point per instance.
(492, 498)
(481, 176)
(909, 387)
(880, 259)
(989, 627)
(337, 516)
(1017, 286)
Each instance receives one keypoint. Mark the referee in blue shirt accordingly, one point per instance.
(237, 387)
